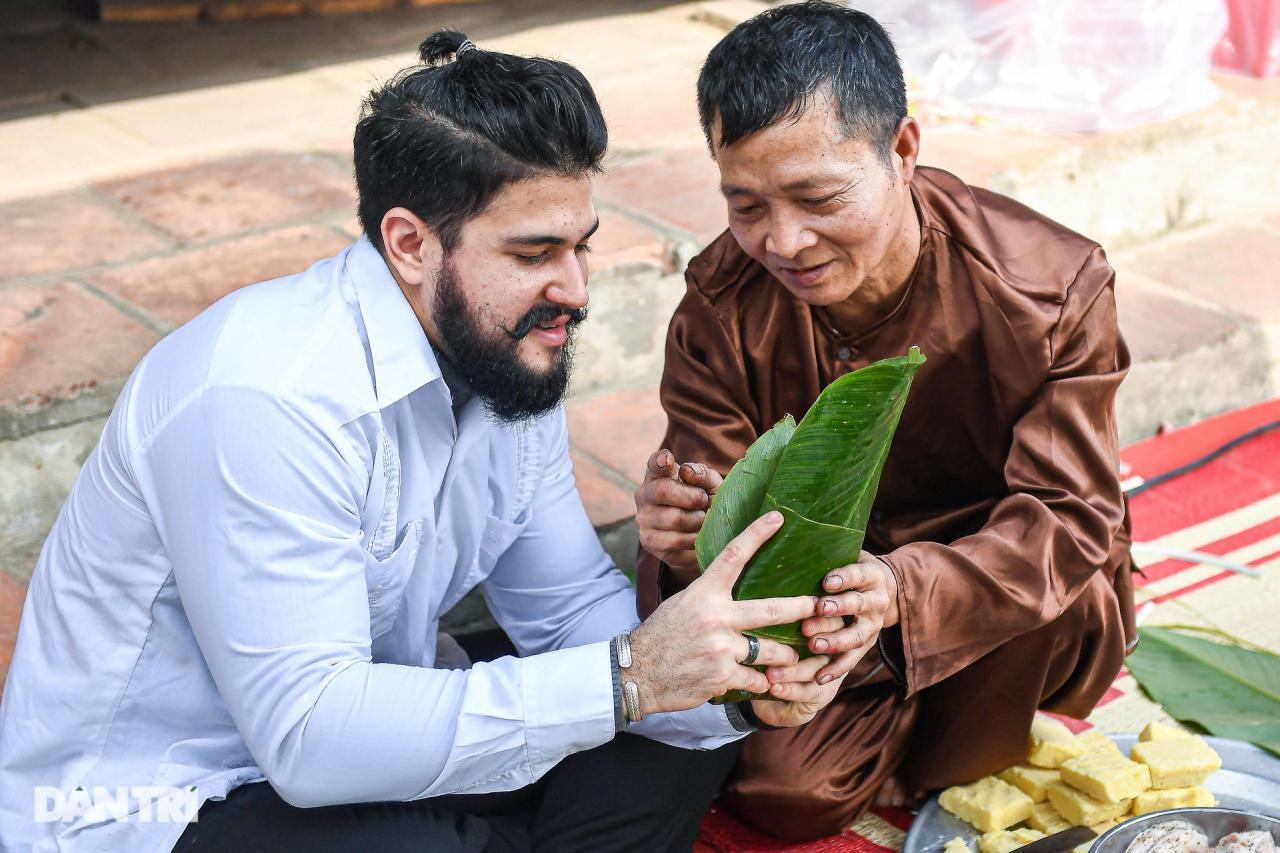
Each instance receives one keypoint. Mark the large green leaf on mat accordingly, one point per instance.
(822, 475)
(1227, 690)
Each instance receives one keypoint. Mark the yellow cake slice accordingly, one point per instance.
(1095, 741)
(1051, 743)
(1082, 809)
(1106, 775)
(1102, 826)
(1030, 780)
(989, 804)
(1172, 798)
(1177, 762)
(1045, 818)
(1007, 840)
(1161, 731)
(956, 845)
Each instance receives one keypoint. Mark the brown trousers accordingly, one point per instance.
(817, 779)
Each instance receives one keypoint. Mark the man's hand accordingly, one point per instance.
(866, 594)
(801, 696)
(671, 505)
(690, 649)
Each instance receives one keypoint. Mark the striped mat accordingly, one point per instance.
(1228, 507)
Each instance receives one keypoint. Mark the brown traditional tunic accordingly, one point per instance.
(999, 508)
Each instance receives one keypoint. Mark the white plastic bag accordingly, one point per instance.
(1057, 65)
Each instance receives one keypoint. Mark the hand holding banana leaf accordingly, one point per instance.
(822, 476)
(693, 646)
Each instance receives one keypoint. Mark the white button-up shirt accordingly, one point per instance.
(247, 578)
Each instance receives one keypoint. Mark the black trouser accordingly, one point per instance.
(631, 794)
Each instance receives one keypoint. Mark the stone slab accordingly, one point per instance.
(605, 500)
(620, 430)
(175, 288)
(679, 188)
(58, 233)
(230, 196)
(1160, 323)
(57, 342)
(12, 594)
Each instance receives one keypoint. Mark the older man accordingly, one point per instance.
(998, 578)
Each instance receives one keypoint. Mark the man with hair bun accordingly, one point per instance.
(239, 603)
(996, 578)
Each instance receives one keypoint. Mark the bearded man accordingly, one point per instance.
(996, 578)
(246, 582)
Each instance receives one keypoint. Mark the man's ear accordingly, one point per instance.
(906, 147)
(411, 247)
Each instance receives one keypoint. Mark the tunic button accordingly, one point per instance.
(844, 353)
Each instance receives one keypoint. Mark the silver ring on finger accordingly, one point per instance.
(753, 650)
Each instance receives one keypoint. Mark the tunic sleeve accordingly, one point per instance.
(1050, 534)
(711, 414)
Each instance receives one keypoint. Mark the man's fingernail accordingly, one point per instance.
(774, 517)
(826, 679)
(828, 607)
(831, 582)
(820, 645)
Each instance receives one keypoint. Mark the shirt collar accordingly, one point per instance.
(403, 360)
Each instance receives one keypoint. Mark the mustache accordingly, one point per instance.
(543, 313)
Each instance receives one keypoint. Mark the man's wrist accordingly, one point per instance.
(748, 712)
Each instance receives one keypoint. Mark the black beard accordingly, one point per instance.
(488, 362)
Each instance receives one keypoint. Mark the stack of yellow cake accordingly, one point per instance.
(1081, 780)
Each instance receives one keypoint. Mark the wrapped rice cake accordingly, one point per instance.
(1052, 743)
(1106, 775)
(988, 804)
(1177, 762)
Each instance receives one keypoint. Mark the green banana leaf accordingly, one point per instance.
(1224, 689)
(822, 476)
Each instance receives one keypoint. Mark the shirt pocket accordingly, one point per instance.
(388, 577)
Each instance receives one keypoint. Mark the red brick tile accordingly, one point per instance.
(12, 594)
(58, 340)
(226, 197)
(620, 429)
(1237, 268)
(178, 287)
(678, 187)
(56, 233)
(1156, 323)
(624, 241)
(605, 500)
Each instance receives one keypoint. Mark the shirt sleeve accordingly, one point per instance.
(1055, 528)
(711, 415)
(258, 508)
(555, 589)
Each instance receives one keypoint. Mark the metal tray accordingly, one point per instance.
(1249, 780)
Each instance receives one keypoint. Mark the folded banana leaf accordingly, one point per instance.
(822, 476)
(1225, 689)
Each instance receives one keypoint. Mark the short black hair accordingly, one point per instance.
(443, 138)
(770, 68)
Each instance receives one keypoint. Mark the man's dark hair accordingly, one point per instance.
(442, 139)
(771, 67)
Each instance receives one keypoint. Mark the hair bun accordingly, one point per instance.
(440, 46)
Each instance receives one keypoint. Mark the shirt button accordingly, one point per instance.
(844, 353)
